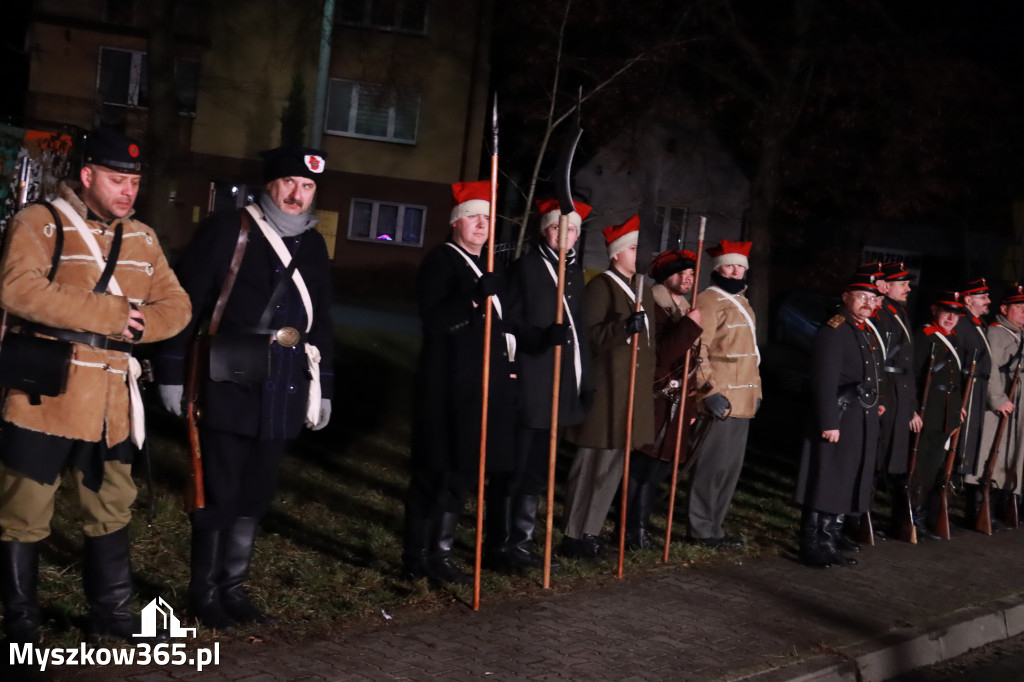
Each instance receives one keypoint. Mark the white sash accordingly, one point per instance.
(942, 337)
(576, 360)
(312, 352)
(750, 322)
(981, 333)
(878, 336)
(632, 297)
(510, 339)
(136, 413)
(905, 330)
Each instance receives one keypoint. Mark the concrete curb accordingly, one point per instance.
(906, 649)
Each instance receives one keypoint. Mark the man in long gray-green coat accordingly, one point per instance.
(613, 324)
(1006, 338)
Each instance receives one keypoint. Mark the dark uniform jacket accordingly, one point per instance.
(836, 478)
(899, 391)
(276, 409)
(449, 384)
(532, 294)
(971, 333)
(607, 308)
(941, 404)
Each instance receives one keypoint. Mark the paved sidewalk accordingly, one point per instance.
(761, 619)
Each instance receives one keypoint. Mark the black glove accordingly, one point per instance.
(717, 405)
(635, 323)
(486, 286)
(557, 334)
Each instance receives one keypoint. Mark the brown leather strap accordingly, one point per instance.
(229, 278)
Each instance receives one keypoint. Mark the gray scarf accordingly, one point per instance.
(285, 224)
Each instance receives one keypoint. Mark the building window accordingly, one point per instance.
(124, 80)
(409, 16)
(376, 112)
(387, 223)
(676, 231)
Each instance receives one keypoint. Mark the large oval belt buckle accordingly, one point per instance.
(287, 336)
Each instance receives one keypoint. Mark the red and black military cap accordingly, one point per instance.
(896, 272)
(114, 150)
(951, 302)
(975, 288)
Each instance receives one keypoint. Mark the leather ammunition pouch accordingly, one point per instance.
(241, 358)
(35, 365)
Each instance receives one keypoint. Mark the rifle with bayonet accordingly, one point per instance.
(983, 523)
(942, 523)
(903, 505)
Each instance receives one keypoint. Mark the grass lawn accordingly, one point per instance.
(328, 556)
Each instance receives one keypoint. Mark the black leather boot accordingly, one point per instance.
(924, 531)
(203, 588)
(441, 569)
(972, 500)
(19, 575)
(843, 541)
(107, 579)
(498, 527)
(811, 552)
(521, 543)
(638, 515)
(238, 542)
(829, 529)
(415, 545)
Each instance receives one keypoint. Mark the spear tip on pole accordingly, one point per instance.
(703, 225)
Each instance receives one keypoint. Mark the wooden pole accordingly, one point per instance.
(488, 322)
(556, 391)
(638, 290)
(682, 428)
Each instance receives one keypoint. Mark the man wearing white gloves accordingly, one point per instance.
(259, 280)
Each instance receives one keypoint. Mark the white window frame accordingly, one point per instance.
(354, 109)
(135, 76)
(368, 23)
(372, 238)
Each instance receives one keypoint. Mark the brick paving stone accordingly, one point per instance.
(694, 623)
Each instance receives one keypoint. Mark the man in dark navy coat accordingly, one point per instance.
(453, 290)
(533, 289)
(838, 462)
(972, 335)
(282, 296)
(943, 414)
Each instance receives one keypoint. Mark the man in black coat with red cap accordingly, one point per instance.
(838, 461)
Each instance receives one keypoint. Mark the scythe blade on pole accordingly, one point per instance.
(566, 207)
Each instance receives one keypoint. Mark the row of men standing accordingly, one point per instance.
(602, 321)
(870, 369)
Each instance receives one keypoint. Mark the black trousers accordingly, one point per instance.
(240, 477)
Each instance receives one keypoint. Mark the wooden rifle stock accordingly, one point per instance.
(195, 496)
(903, 508)
(942, 523)
(983, 524)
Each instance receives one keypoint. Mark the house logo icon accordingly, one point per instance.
(158, 615)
